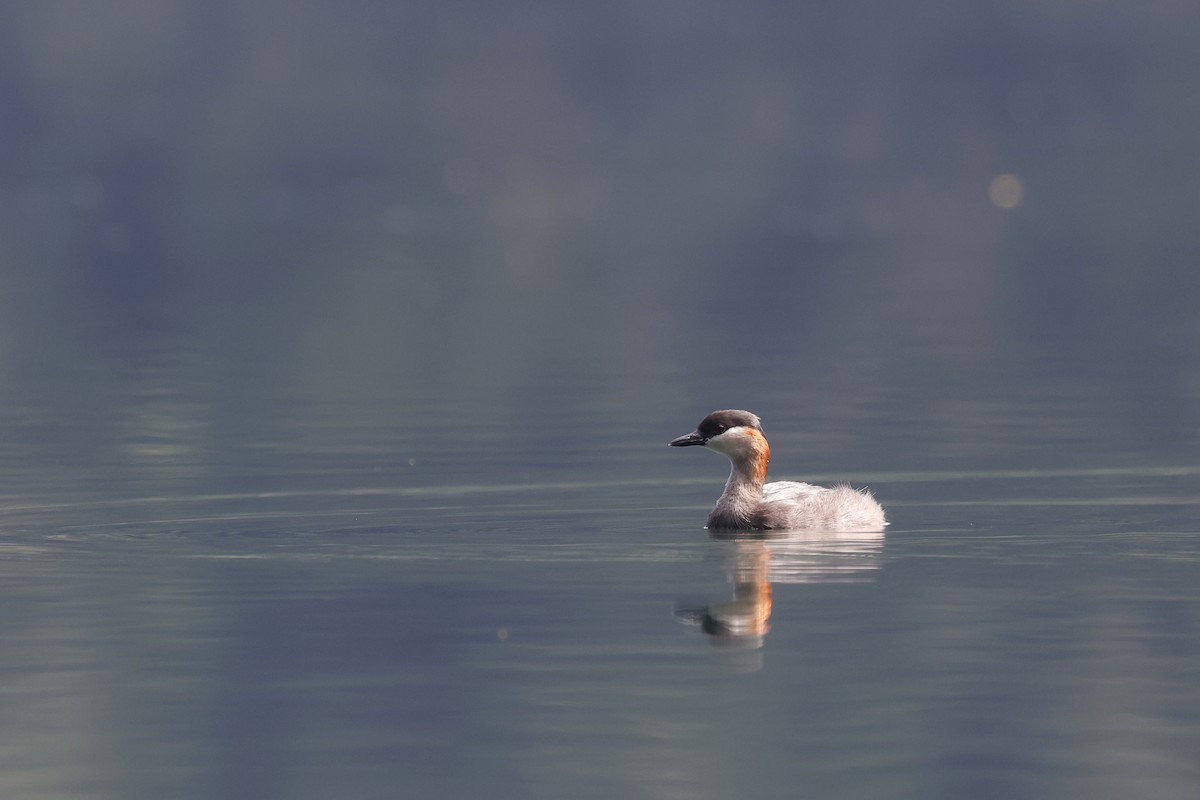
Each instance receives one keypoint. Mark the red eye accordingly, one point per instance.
(721, 429)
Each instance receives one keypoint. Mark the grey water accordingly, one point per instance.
(338, 362)
(455, 614)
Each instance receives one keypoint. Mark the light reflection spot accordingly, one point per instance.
(1006, 191)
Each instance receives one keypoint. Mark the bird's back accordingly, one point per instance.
(792, 505)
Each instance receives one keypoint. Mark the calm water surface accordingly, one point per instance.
(389, 631)
(338, 360)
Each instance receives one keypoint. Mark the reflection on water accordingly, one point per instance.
(742, 621)
(336, 358)
(825, 557)
(756, 560)
(369, 638)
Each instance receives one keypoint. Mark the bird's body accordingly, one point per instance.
(750, 503)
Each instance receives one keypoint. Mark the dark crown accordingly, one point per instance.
(720, 421)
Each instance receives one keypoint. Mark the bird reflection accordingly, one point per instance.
(757, 559)
(742, 621)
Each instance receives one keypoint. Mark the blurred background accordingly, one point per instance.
(340, 344)
(916, 218)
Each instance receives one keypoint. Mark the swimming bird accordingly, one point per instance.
(748, 503)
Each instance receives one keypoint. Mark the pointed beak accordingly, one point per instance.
(695, 437)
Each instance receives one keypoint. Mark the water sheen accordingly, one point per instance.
(1014, 633)
(341, 343)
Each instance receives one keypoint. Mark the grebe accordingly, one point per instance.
(750, 504)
